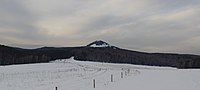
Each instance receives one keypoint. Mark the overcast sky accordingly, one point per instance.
(144, 25)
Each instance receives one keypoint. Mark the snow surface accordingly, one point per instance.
(103, 45)
(70, 74)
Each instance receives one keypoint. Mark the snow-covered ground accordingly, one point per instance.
(76, 75)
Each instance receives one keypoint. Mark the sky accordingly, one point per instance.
(169, 26)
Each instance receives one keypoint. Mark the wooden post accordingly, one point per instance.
(128, 71)
(56, 88)
(121, 74)
(111, 78)
(94, 83)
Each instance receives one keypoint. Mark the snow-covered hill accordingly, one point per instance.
(70, 74)
(99, 43)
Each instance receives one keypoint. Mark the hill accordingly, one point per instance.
(98, 51)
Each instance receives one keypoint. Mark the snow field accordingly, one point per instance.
(70, 74)
(62, 74)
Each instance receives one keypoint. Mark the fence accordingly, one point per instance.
(122, 75)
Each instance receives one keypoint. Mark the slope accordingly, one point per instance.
(75, 75)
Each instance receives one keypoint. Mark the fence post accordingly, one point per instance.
(128, 71)
(121, 74)
(94, 83)
(111, 78)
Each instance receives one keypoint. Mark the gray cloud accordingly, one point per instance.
(148, 25)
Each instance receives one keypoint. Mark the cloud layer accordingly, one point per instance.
(147, 25)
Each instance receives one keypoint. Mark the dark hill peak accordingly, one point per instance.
(100, 43)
